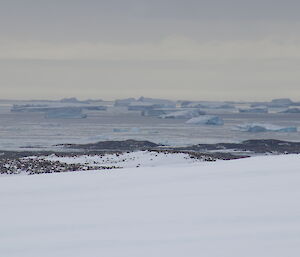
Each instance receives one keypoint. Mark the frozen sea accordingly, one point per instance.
(31, 130)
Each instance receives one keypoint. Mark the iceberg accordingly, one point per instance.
(74, 100)
(65, 113)
(141, 106)
(132, 102)
(258, 127)
(254, 110)
(164, 103)
(120, 130)
(54, 106)
(187, 114)
(153, 113)
(124, 102)
(184, 104)
(275, 103)
(70, 100)
(206, 120)
(151, 104)
(28, 107)
(95, 108)
(281, 102)
(291, 110)
(124, 130)
(207, 105)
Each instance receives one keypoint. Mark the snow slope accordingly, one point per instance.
(247, 207)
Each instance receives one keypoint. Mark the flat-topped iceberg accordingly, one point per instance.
(281, 102)
(123, 130)
(259, 127)
(207, 105)
(276, 103)
(254, 110)
(162, 102)
(187, 114)
(206, 120)
(54, 106)
(291, 110)
(124, 102)
(153, 112)
(71, 100)
(65, 113)
(142, 106)
(28, 107)
(143, 101)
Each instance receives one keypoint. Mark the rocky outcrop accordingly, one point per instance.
(129, 144)
(255, 146)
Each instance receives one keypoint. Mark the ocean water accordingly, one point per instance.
(31, 130)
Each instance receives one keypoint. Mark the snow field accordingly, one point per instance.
(247, 207)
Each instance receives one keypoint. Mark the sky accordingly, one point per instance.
(188, 49)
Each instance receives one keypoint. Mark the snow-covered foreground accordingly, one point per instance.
(248, 207)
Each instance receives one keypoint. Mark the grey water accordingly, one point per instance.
(31, 130)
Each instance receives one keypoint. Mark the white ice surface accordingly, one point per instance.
(248, 207)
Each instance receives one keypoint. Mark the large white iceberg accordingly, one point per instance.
(187, 114)
(206, 120)
(258, 127)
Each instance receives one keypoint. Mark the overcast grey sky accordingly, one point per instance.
(188, 49)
